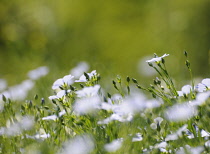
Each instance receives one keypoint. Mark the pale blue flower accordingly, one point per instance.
(83, 77)
(204, 85)
(65, 81)
(185, 90)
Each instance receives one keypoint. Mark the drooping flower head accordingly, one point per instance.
(157, 59)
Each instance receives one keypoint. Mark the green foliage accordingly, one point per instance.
(130, 119)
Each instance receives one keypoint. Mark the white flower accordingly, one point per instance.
(83, 78)
(157, 59)
(79, 69)
(117, 117)
(191, 150)
(54, 117)
(204, 85)
(66, 80)
(3, 84)
(180, 112)
(177, 134)
(114, 145)
(87, 105)
(144, 68)
(161, 145)
(157, 121)
(39, 72)
(137, 138)
(201, 98)
(42, 136)
(207, 144)
(88, 91)
(79, 145)
(185, 90)
(20, 91)
(60, 94)
(16, 128)
(124, 110)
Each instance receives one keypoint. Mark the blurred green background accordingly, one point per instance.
(111, 35)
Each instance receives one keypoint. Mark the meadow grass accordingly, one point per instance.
(82, 117)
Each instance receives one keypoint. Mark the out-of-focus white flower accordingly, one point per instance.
(204, 133)
(204, 85)
(3, 84)
(38, 73)
(144, 68)
(177, 134)
(201, 98)
(185, 90)
(191, 150)
(20, 91)
(87, 105)
(124, 109)
(137, 138)
(54, 117)
(79, 69)
(1, 105)
(27, 122)
(117, 98)
(135, 103)
(180, 112)
(83, 78)
(161, 145)
(42, 136)
(51, 117)
(66, 80)
(157, 59)
(207, 143)
(88, 91)
(114, 145)
(117, 117)
(79, 145)
(16, 128)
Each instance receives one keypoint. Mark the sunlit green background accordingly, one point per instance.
(111, 35)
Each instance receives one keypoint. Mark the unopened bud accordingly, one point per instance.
(187, 63)
(86, 76)
(128, 79)
(150, 64)
(43, 101)
(134, 81)
(185, 53)
(138, 86)
(163, 61)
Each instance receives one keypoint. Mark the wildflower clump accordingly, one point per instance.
(82, 117)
